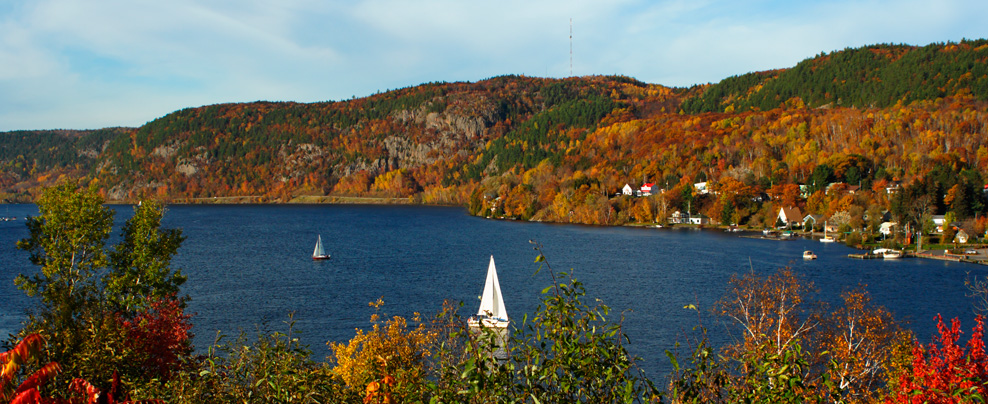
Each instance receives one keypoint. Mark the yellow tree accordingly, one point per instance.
(769, 311)
(391, 348)
(862, 340)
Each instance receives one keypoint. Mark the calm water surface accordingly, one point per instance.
(249, 266)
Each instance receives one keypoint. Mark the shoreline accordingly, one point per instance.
(938, 254)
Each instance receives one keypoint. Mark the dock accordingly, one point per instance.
(865, 256)
(769, 238)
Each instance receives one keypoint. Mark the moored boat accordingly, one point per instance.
(809, 255)
(887, 253)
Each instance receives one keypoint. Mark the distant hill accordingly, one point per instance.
(559, 149)
(871, 76)
(27, 157)
(424, 136)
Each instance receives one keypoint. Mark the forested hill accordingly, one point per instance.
(415, 141)
(872, 76)
(558, 149)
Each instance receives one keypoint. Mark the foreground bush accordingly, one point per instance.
(273, 368)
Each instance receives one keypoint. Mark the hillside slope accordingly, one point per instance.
(558, 149)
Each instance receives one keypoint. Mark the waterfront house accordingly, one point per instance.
(811, 220)
(627, 190)
(679, 218)
(790, 216)
(699, 219)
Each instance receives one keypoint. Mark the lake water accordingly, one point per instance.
(249, 266)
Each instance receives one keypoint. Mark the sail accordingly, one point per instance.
(491, 303)
(318, 252)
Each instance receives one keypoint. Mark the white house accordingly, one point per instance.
(701, 188)
(939, 221)
(887, 227)
(699, 219)
(961, 237)
(627, 190)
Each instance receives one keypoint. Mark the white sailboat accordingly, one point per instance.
(826, 238)
(492, 312)
(319, 253)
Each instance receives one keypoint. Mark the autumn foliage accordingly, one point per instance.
(945, 372)
(159, 337)
(560, 149)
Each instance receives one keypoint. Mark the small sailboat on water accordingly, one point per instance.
(319, 253)
(826, 238)
(492, 313)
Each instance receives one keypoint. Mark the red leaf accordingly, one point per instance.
(39, 377)
(27, 397)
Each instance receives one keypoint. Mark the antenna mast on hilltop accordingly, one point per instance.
(571, 47)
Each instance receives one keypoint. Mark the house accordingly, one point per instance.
(939, 221)
(627, 190)
(646, 189)
(961, 237)
(701, 188)
(892, 187)
(887, 228)
(843, 187)
(790, 216)
(811, 220)
(699, 219)
(886, 216)
(804, 191)
(679, 218)
(831, 228)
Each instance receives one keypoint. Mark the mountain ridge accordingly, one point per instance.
(556, 149)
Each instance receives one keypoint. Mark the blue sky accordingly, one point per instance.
(84, 64)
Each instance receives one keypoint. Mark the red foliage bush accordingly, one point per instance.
(160, 336)
(944, 372)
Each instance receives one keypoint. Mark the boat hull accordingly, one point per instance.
(487, 323)
(320, 257)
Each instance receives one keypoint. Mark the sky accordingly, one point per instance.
(89, 64)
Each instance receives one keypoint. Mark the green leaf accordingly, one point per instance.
(540, 258)
(672, 358)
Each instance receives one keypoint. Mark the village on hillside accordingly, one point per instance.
(940, 230)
